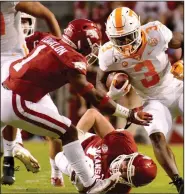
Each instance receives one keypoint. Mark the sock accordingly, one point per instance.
(76, 157)
(63, 164)
(55, 172)
(18, 137)
(8, 147)
(8, 160)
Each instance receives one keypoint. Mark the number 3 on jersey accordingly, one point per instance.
(152, 78)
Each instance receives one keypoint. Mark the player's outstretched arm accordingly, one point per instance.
(101, 78)
(177, 40)
(101, 101)
(94, 119)
(38, 10)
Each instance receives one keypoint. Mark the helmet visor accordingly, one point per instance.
(125, 40)
(123, 164)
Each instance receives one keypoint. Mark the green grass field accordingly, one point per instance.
(26, 182)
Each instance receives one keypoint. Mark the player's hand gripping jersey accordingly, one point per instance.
(148, 68)
(44, 69)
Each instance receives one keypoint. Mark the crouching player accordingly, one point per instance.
(109, 152)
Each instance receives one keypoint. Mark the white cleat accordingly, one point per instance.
(26, 158)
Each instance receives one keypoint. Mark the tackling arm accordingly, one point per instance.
(94, 119)
(38, 10)
(101, 80)
(177, 41)
(103, 102)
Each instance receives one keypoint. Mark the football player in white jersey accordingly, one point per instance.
(13, 47)
(139, 51)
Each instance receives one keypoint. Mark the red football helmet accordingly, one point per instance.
(84, 36)
(136, 169)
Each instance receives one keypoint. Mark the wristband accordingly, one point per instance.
(121, 111)
(104, 101)
(86, 89)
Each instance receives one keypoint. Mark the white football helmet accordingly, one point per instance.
(123, 30)
(28, 24)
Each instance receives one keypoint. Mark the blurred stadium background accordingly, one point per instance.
(170, 13)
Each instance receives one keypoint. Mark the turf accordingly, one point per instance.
(26, 182)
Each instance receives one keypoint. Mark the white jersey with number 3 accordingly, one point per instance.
(149, 68)
(11, 32)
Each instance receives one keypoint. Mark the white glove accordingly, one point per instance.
(115, 93)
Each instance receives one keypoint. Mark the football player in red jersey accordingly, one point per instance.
(52, 64)
(13, 48)
(32, 38)
(109, 152)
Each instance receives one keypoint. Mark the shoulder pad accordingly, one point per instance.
(105, 56)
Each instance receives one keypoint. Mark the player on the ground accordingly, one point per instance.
(32, 38)
(139, 51)
(52, 64)
(13, 47)
(108, 152)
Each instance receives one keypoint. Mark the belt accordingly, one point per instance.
(5, 87)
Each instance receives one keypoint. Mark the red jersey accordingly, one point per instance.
(33, 40)
(44, 69)
(103, 151)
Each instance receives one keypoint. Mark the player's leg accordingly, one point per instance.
(8, 134)
(55, 147)
(48, 123)
(161, 124)
(93, 118)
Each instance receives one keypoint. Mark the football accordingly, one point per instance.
(118, 79)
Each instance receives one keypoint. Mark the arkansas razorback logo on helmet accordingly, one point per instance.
(85, 37)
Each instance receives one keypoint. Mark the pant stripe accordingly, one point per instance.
(39, 123)
(43, 116)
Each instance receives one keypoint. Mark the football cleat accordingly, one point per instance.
(26, 158)
(179, 183)
(57, 181)
(8, 177)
